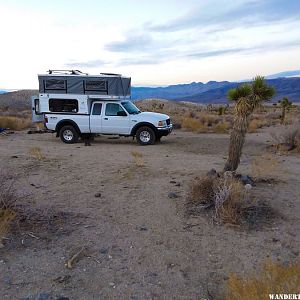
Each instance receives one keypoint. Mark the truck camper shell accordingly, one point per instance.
(107, 85)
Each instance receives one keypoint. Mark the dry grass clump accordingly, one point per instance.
(286, 137)
(273, 279)
(36, 153)
(205, 125)
(226, 195)
(228, 201)
(14, 123)
(138, 158)
(8, 201)
(256, 124)
(192, 124)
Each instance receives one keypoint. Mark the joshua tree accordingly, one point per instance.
(247, 98)
(285, 104)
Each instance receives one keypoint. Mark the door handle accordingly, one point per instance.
(105, 118)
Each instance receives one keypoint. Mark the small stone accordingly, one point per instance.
(104, 250)
(212, 173)
(178, 184)
(248, 186)
(172, 195)
(98, 195)
(143, 228)
(7, 280)
(172, 181)
(63, 298)
(43, 296)
(245, 179)
(14, 156)
(25, 298)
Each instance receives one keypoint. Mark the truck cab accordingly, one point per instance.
(106, 111)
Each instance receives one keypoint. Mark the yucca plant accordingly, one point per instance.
(247, 98)
(285, 105)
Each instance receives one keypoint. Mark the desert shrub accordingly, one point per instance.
(36, 153)
(256, 124)
(8, 200)
(272, 279)
(138, 158)
(192, 124)
(289, 135)
(202, 191)
(228, 197)
(14, 123)
(221, 127)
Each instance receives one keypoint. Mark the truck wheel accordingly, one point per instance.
(68, 134)
(145, 136)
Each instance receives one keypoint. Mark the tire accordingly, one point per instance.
(68, 134)
(145, 136)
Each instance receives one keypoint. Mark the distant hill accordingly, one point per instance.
(18, 100)
(215, 92)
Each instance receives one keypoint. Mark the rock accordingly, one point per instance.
(212, 173)
(245, 179)
(248, 187)
(98, 195)
(104, 250)
(172, 181)
(172, 195)
(43, 296)
(178, 184)
(143, 228)
(25, 298)
(62, 298)
(7, 280)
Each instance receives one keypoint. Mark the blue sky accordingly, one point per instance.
(154, 42)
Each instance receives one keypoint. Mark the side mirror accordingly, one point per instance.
(121, 113)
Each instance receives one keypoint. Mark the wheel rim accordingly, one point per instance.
(68, 135)
(145, 136)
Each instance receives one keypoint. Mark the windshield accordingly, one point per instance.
(131, 108)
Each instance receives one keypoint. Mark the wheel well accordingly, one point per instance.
(144, 124)
(62, 123)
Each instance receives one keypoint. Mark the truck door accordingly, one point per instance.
(115, 119)
(96, 118)
(37, 116)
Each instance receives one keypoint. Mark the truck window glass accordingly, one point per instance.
(63, 105)
(112, 109)
(55, 84)
(97, 109)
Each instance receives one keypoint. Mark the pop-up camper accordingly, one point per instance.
(73, 103)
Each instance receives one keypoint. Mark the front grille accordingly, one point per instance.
(168, 121)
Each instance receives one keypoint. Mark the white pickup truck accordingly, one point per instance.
(75, 104)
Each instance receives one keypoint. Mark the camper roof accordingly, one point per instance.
(77, 82)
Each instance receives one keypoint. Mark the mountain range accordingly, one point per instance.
(210, 92)
(214, 91)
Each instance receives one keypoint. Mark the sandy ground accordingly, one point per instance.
(138, 243)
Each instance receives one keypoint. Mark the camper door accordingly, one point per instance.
(37, 116)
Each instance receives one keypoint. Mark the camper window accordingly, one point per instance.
(95, 85)
(55, 84)
(63, 105)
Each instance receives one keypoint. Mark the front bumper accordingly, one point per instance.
(163, 131)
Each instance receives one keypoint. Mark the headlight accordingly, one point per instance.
(162, 123)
